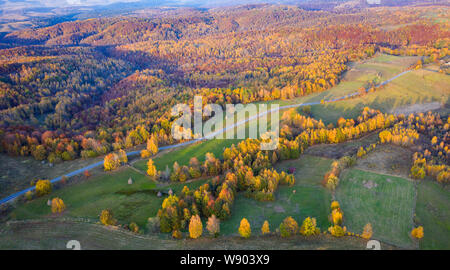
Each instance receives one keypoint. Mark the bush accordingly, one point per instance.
(367, 232)
(288, 227)
(417, 232)
(176, 234)
(337, 230)
(107, 218)
(134, 227)
(58, 205)
(43, 187)
(309, 227)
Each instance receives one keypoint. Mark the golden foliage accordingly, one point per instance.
(367, 232)
(288, 227)
(417, 232)
(244, 229)
(265, 229)
(195, 227)
(43, 187)
(107, 218)
(58, 205)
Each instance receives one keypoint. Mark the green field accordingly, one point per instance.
(387, 202)
(129, 203)
(433, 213)
(308, 200)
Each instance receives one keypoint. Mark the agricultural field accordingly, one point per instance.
(387, 202)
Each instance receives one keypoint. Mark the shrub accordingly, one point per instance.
(43, 187)
(288, 227)
(367, 232)
(58, 205)
(309, 227)
(107, 218)
(337, 230)
(176, 234)
(134, 227)
(417, 232)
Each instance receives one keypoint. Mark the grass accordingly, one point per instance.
(308, 200)
(55, 233)
(388, 206)
(416, 87)
(183, 155)
(129, 203)
(433, 213)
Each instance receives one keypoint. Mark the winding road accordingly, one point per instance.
(209, 136)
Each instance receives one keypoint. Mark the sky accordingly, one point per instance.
(21, 4)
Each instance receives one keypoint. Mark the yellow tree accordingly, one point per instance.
(43, 187)
(244, 229)
(58, 205)
(309, 227)
(367, 232)
(151, 169)
(288, 227)
(417, 232)
(336, 216)
(107, 218)
(152, 146)
(195, 227)
(335, 205)
(265, 228)
(111, 162)
(123, 158)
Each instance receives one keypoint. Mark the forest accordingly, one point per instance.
(86, 88)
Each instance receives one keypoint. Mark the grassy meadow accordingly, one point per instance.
(387, 202)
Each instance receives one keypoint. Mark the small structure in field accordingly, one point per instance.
(130, 181)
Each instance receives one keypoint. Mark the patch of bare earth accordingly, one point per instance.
(417, 108)
(387, 159)
(336, 151)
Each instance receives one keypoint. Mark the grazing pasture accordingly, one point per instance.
(387, 202)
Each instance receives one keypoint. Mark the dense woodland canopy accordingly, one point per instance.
(85, 88)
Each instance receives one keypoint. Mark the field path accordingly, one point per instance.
(206, 137)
